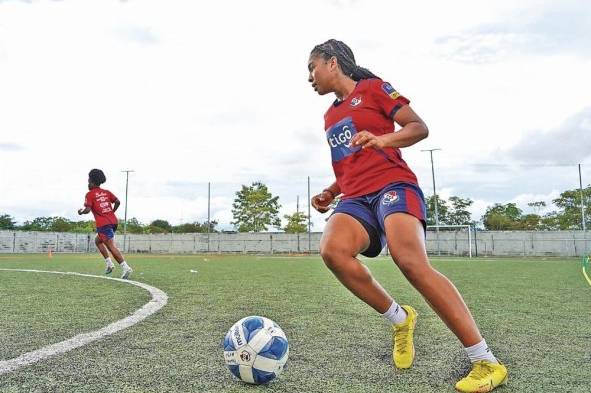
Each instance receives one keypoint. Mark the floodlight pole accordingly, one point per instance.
(125, 219)
(208, 212)
(208, 206)
(297, 215)
(582, 200)
(309, 223)
(435, 197)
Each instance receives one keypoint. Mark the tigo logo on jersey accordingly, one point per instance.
(388, 89)
(339, 138)
(356, 101)
(390, 198)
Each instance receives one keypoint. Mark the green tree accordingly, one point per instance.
(530, 222)
(6, 222)
(133, 226)
(195, 227)
(61, 224)
(163, 224)
(296, 223)
(458, 213)
(569, 205)
(155, 229)
(38, 224)
(550, 222)
(255, 208)
(83, 226)
(442, 210)
(501, 217)
(49, 224)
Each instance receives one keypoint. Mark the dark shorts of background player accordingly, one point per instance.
(106, 232)
(372, 209)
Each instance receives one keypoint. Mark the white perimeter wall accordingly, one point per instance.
(489, 243)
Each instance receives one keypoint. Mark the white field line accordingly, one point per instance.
(159, 299)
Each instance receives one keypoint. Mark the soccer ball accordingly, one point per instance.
(256, 349)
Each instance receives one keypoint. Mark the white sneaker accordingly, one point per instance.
(126, 273)
(109, 269)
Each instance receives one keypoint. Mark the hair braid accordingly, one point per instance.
(345, 59)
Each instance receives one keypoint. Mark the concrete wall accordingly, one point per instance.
(177, 243)
(484, 243)
(510, 243)
(265, 243)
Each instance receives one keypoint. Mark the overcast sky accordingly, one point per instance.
(187, 92)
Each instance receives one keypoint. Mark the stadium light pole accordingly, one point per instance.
(125, 218)
(435, 197)
(309, 223)
(208, 212)
(582, 200)
(208, 206)
(297, 215)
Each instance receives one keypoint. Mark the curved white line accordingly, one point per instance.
(159, 299)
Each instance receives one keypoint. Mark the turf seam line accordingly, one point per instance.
(159, 300)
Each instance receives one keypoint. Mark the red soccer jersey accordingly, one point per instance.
(370, 106)
(99, 201)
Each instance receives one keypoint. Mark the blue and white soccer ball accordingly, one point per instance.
(256, 349)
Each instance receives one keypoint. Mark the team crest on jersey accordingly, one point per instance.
(390, 198)
(388, 89)
(356, 101)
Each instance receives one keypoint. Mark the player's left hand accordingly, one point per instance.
(366, 139)
(80, 211)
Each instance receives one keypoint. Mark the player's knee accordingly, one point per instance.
(330, 252)
(414, 267)
(334, 254)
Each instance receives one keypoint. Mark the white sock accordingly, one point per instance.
(395, 313)
(480, 351)
(108, 262)
(125, 266)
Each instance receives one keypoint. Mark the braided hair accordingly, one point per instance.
(345, 59)
(97, 176)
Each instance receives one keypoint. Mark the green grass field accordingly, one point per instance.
(534, 313)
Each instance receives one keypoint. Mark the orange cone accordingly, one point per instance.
(49, 253)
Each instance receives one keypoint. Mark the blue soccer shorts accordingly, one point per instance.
(372, 209)
(106, 232)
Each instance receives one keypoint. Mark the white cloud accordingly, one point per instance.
(187, 93)
(567, 144)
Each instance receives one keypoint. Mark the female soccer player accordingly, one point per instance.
(99, 201)
(382, 204)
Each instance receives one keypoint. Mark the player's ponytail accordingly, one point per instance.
(97, 176)
(345, 59)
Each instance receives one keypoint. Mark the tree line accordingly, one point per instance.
(508, 217)
(255, 209)
(61, 224)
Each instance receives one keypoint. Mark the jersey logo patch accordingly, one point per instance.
(388, 89)
(390, 198)
(356, 101)
(339, 139)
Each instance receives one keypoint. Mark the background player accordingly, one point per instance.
(383, 204)
(103, 204)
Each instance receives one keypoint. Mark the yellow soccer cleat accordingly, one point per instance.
(484, 377)
(404, 348)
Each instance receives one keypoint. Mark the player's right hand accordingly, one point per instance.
(322, 201)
